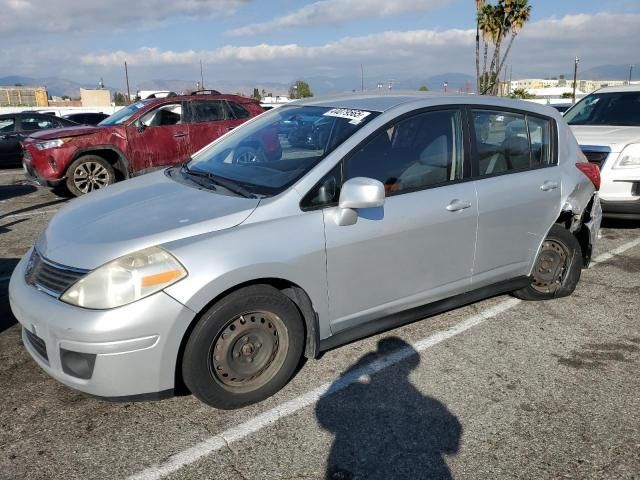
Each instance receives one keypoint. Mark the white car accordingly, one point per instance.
(606, 124)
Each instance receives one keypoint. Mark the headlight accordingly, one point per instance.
(58, 142)
(630, 157)
(126, 280)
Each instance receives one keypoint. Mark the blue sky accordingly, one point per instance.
(247, 42)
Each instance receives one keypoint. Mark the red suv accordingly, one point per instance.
(140, 137)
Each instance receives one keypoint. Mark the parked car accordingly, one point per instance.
(136, 139)
(561, 107)
(16, 126)
(607, 126)
(86, 118)
(224, 274)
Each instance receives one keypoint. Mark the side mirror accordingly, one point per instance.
(359, 192)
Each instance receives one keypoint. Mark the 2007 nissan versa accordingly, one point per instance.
(222, 273)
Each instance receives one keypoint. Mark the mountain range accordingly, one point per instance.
(320, 85)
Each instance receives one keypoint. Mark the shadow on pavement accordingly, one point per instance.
(6, 317)
(384, 427)
(32, 207)
(12, 191)
(618, 223)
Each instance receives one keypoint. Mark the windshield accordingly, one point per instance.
(618, 108)
(124, 114)
(271, 153)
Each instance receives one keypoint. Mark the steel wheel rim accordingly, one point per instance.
(90, 176)
(551, 266)
(249, 351)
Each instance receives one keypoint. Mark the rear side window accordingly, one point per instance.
(414, 153)
(7, 125)
(37, 123)
(208, 111)
(238, 111)
(508, 141)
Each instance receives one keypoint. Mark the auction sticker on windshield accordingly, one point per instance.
(356, 116)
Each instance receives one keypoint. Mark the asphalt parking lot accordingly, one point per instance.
(498, 389)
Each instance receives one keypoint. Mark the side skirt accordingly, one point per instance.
(386, 323)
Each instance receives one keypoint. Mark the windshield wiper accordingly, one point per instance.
(223, 182)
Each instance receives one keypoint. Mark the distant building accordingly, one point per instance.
(19, 96)
(95, 97)
(537, 86)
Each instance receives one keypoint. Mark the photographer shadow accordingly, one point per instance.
(384, 427)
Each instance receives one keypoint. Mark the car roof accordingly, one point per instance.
(222, 96)
(381, 102)
(621, 89)
(22, 114)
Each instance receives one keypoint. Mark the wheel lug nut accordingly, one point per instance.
(258, 345)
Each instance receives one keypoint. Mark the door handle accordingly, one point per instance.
(457, 205)
(548, 185)
(180, 134)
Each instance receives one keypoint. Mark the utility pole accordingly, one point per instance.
(630, 72)
(126, 75)
(575, 79)
(201, 76)
(362, 75)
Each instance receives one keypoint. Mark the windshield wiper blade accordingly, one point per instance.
(223, 182)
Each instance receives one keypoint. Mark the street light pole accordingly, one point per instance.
(575, 76)
(630, 72)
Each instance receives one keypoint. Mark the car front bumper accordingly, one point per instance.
(130, 351)
(33, 176)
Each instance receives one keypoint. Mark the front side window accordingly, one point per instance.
(7, 125)
(124, 114)
(616, 108)
(238, 110)
(208, 111)
(165, 115)
(36, 123)
(277, 148)
(414, 153)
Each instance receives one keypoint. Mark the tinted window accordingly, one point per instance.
(165, 115)
(619, 108)
(540, 135)
(511, 141)
(7, 125)
(37, 123)
(238, 111)
(208, 111)
(326, 192)
(414, 153)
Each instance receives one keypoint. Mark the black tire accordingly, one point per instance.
(89, 173)
(557, 269)
(225, 343)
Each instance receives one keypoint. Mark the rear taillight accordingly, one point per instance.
(592, 172)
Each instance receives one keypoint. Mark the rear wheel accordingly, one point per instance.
(244, 349)
(89, 173)
(557, 268)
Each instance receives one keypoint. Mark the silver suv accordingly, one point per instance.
(222, 273)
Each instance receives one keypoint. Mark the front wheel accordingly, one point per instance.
(89, 173)
(557, 268)
(244, 349)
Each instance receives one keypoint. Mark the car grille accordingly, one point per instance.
(49, 276)
(597, 157)
(37, 343)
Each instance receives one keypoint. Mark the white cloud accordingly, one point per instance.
(543, 48)
(326, 12)
(93, 15)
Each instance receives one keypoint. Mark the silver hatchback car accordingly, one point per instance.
(375, 210)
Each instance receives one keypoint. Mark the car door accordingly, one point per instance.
(10, 151)
(518, 185)
(210, 119)
(419, 246)
(159, 137)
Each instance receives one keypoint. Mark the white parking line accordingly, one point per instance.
(616, 251)
(219, 441)
(29, 214)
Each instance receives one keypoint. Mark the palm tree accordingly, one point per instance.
(497, 22)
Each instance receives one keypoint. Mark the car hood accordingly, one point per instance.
(145, 211)
(53, 133)
(614, 137)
